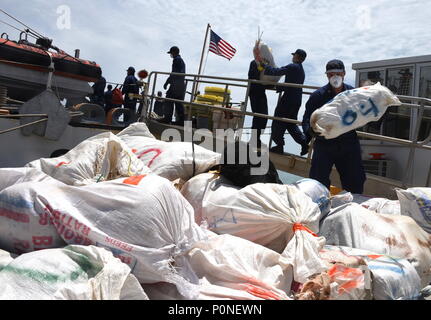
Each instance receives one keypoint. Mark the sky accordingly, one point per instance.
(122, 33)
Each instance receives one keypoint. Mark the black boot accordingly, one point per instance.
(277, 149)
(304, 149)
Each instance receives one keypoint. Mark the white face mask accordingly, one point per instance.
(336, 81)
(171, 55)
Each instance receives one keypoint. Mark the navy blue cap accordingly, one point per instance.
(300, 53)
(335, 65)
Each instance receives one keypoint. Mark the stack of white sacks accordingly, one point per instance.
(106, 221)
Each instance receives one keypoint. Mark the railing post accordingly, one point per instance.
(150, 108)
(243, 109)
(408, 174)
(192, 96)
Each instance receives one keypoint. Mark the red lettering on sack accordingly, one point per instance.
(42, 241)
(69, 234)
(16, 216)
(43, 219)
(68, 223)
(21, 245)
(119, 244)
(62, 163)
(86, 230)
(87, 242)
(64, 223)
(126, 260)
(157, 151)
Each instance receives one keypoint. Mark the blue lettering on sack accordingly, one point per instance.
(323, 203)
(372, 109)
(349, 117)
(388, 268)
(124, 256)
(225, 218)
(16, 202)
(424, 204)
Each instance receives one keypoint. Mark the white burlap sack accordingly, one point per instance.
(136, 129)
(171, 160)
(11, 176)
(99, 158)
(233, 268)
(317, 192)
(416, 203)
(5, 258)
(143, 220)
(398, 236)
(71, 273)
(24, 225)
(345, 197)
(194, 190)
(352, 109)
(280, 217)
(389, 278)
(262, 52)
(382, 205)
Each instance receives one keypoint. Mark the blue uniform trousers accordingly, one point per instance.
(259, 104)
(345, 154)
(278, 128)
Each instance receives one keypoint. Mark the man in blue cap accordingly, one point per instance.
(177, 88)
(130, 86)
(343, 151)
(98, 89)
(289, 103)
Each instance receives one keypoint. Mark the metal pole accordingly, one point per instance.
(51, 71)
(24, 125)
(408, 174)
(195, 84)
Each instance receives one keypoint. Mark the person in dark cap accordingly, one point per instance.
(289, 103)
(108, 99)
(130, 86)
(98, 90)
(343, 151)
(177, 88)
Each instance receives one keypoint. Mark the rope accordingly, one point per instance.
(3, 96)
(24, 125)
(34, 31)
(130, 164)
(23, 115)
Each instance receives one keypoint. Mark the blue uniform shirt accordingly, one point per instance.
(129, 86)
(178, 66)
(294, 73)
(317, 99)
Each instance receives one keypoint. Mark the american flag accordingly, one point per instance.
(221, 47)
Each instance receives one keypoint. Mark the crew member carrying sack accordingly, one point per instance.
(343, 151)
(289, 104)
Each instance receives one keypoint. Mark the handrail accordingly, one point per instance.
(421, 104)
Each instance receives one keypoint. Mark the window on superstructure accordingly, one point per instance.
(425, 92)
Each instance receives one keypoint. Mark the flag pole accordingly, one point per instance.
(195, 84)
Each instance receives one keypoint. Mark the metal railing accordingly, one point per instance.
(421, 105)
